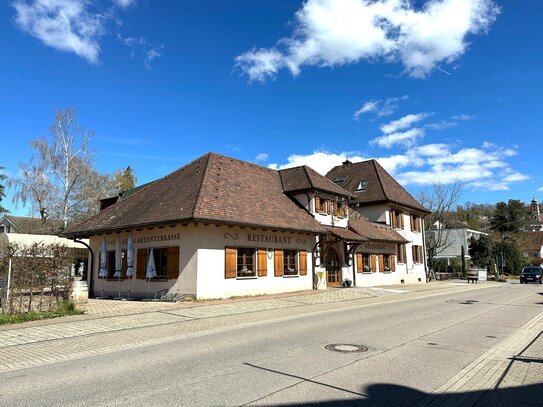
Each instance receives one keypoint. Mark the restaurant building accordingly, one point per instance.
(221, 227)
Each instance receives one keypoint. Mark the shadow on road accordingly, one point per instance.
(393, 395)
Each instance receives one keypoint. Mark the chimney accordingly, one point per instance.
(346, 162)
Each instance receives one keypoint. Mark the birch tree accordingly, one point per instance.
(59, 181)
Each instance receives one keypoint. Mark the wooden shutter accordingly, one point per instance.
(414, 253)
(393, 220)
(328, 207)
(359, 265)
(141, 264)
(262, 263)
(173, 262)
(317, 204)
(303, 262)
(420, 254)
(278, 262)
(419, 225)
(412, 221)
(393, 263)
(381, 263)
(373, 263)
(402, 226)
(230, 262)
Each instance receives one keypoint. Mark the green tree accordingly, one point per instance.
(506, 250)
(3, 178)
(481, 251)
(123, 180)
(508, 217)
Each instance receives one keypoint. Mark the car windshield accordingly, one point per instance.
(531, 270)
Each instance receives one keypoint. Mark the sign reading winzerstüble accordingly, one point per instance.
(386, 248)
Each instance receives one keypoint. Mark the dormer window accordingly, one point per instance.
(361, 186)
(340, 179)
(322, 206)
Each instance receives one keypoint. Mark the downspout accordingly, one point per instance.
(90, 278)
(424, 244)
(353, 260)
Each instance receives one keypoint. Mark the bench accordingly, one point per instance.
(473, 276)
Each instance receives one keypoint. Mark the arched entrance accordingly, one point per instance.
(333, 271)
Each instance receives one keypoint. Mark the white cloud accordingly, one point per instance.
(478, 168)
(142, 45)
(152, 54)
(66, 25)
(77, 26)
(406, 138)
(337, 32)
(124, 3)
(261, 157)
(403, 122)
(320, 161)
(380, 107)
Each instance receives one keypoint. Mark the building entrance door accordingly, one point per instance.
(333, 273)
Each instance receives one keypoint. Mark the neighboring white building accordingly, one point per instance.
(220, 227)
(451, 242)
(381, 199)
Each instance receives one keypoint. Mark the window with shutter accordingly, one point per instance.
(373, 263)
(290, 263)
(393, 219)
(359, 266)
(173, 262)
(278, 263)
(317, 204)
(245, 262)
(412, 222)
(230, 266)
(262, 263)
(141, 264)
(303, 262)
(381, 263)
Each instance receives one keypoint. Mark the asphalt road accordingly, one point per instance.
(413, 346)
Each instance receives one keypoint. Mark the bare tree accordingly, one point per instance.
(32, 187)
(440, 200)
(3, 177)
(60, 182)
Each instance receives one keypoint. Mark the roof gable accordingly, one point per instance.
(380, 186)
(305, 178)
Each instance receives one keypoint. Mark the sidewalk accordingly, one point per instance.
(509, 374)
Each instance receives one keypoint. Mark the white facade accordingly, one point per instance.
(201, 268)
(412, 268)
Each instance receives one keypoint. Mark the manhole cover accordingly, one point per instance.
(345, 348)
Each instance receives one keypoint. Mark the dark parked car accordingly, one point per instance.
(531, 273)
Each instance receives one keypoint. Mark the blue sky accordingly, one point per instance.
(437, 91)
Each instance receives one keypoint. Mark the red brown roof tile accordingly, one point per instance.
(305, 178)
(373, 231)
(381, 186)
(212, 188)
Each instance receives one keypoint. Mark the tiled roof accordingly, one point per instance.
(212, 188)
(372, 231)
(381, 186)
(346, 234)
(305, 178)
(34, 226)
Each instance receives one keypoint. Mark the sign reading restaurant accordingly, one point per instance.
(261, 238)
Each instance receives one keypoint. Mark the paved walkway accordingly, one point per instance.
(109, 326)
